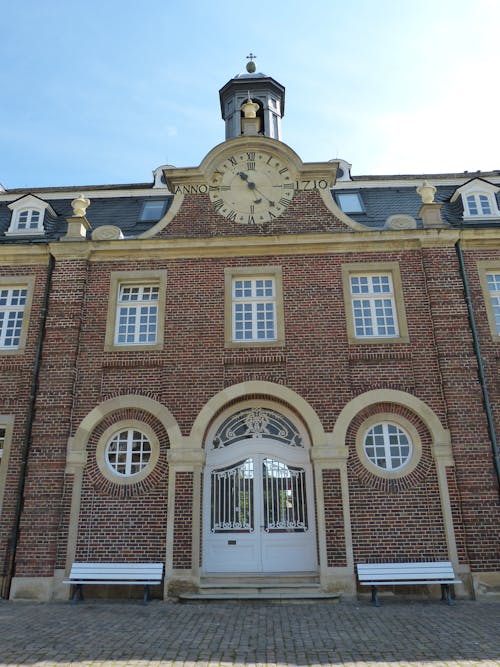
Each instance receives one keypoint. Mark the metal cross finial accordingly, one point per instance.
(251, 56)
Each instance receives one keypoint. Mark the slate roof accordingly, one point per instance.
(380, 203)
(123, 211)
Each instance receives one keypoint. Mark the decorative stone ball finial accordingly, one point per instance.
(80, 206)
(426, 192)
(250, 109)
(250, 64)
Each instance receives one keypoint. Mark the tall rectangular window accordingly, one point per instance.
(136, 310)
(373, 307)
(2, 442)
(493, 283)
(254, 309)
(254, 314)
(12, 308)
(137, 315)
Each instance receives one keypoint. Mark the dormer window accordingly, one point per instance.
(28, 214)
(28, 219)
(478, 199)
(478, 205)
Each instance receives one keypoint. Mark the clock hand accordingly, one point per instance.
(252, 186)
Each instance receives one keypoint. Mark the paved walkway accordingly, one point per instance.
(126, 634)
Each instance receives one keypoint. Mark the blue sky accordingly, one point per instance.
(105, 91)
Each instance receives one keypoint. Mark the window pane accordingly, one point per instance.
(387, 446)
(373, 316)
(128, 452)
(254, 309)
(152, 210)
(350, 202)
(137, 324)
(12, 303)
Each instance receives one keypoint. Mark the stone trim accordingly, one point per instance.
(7, 423)
(483, 268)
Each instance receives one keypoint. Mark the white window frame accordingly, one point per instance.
(493, 285)
(255, 308)
(478, 205)
(392, 436)
(274, 301)
(129, 442)
(409, 430)
(129, 425)
(15, 312)
(12, 315)
(369, 303)
(141, 280)
(137, 310)
(25, 226)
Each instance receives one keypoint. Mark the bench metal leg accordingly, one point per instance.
(77, 593)
(146, 595)
(375, 596)
(446, 594)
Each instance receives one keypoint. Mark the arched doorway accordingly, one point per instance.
(258, 493)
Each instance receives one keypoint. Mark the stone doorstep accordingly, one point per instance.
(256, 596)
(260, 580)
(289, 587)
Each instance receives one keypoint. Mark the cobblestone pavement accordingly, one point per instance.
(127, 634)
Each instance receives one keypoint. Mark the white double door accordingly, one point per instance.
(258, 509)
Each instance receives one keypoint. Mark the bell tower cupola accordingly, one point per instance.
(252, 103)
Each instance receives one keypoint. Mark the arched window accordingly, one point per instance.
(257, 422)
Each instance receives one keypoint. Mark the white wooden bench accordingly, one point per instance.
(398, 574)
(141, 574)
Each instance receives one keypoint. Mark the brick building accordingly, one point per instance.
(256, 366)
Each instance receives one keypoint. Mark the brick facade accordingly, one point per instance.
(316, 373)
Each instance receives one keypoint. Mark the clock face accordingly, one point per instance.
(251, 187)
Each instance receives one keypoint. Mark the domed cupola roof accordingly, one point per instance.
(261, 89)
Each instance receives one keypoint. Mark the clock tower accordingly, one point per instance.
(262, 90)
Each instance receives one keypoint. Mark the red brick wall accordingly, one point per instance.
(16, 374)
(334, 519)
(183, 521)
(437, 366)
(395, 519)
(51, 426)
(476, 481)
(124, 522)
(307, 213)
